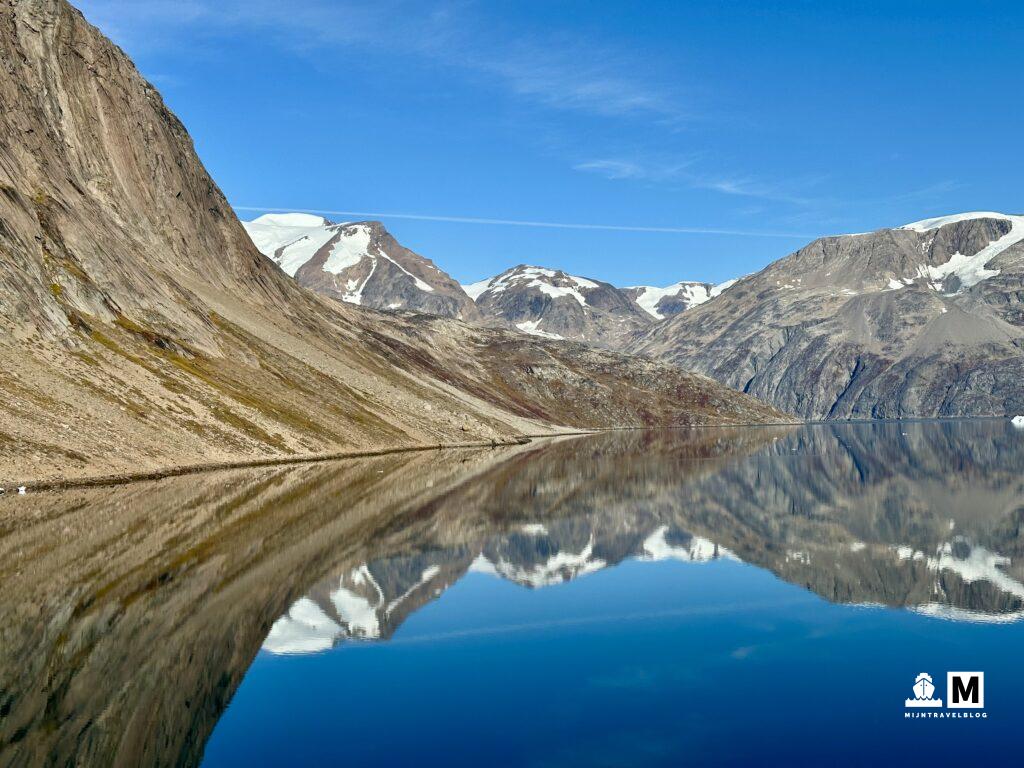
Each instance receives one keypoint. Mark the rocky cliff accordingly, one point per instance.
(923, 320)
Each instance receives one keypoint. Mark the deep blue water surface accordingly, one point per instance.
(794, 639)
(754, 596)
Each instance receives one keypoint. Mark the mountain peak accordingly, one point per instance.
(304, 220)
(941, 221)
(357, 262)
(552, 303)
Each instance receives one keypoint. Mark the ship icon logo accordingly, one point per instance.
(923, 692)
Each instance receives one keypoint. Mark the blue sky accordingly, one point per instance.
(715, 136)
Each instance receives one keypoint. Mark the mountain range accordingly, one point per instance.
(360, 263)
(141, 329)
(921, 320)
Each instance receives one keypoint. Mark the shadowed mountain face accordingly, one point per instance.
(141, 328)
(924, 320)
(111, 593)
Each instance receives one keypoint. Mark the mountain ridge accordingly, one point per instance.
(920, 320)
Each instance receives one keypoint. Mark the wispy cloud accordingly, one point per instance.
(688, 172)
(756, 188)
(554, 71)
(614, 169)
(613, 227)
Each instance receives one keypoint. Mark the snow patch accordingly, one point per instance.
(290, 220)
(358, 613)
(650, 296)
(292, 239)
(723, 287)
(941, 221)
(289, 245)
(979, 565)
(474, 290)
(532, 327)
(970, 270)
(304, 629)
(352, 247)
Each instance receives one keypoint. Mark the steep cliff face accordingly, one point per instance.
(141, 328)
(924, 320)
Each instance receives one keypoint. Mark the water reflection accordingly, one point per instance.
(128, 616)
(922, 516)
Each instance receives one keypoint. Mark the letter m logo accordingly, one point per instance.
(965, 690)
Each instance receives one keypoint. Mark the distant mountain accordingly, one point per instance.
(660, 303)
(358, 262)
(923, 320)
(554, 304)
(361, 263)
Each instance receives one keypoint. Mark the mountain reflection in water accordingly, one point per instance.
(130, 615)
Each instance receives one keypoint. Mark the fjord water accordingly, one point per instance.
(713, 596)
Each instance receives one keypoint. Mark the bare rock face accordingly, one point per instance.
(924, 320)
(360, 263)
(140, 328)
(556, 305)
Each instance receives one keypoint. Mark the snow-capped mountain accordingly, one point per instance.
(557, 305)
(660, 303)
(926, 319)
(359, 263)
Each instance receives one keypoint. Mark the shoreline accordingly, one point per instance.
(124, 478)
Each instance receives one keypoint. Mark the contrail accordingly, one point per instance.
(522, 223)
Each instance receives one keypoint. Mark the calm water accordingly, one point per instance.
(720, 597)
